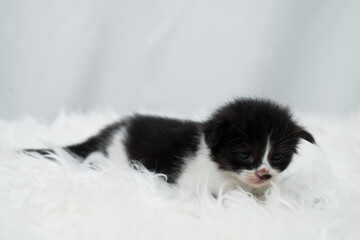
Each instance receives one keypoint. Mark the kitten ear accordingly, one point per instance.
(307, 136)
(213, 132)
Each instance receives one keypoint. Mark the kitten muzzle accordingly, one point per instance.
(264, 177)
(263, 174)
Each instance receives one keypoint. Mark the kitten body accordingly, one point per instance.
(246, 143)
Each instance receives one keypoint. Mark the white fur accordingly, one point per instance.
(265, 162)
(116, 150)
(202, 171)
(317, 197)
(266, 165)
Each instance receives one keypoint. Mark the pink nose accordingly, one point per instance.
(262, 171)
(263, 174)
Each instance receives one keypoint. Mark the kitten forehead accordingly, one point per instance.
(251, 122)
(262, 117)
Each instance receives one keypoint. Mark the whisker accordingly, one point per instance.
(290, 134)
(284, 150)
(288, 140)
(285, 145)
(241, 131)
(236, 139)
(287, 125)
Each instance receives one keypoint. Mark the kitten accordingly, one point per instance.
(246, 142)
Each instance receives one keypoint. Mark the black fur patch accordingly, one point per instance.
(99, 142)
(44, 152)
(161, 144)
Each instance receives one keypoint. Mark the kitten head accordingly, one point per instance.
(253, 138)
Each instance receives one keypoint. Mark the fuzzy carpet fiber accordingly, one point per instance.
(318, 197)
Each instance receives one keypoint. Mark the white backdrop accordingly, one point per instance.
(177, 56)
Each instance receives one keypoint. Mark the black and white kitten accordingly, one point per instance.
(246, 142)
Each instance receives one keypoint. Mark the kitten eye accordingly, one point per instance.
(245, 157)
(276, 157)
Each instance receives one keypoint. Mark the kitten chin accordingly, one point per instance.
(244, 143)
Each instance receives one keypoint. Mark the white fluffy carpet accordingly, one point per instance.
(318, 197)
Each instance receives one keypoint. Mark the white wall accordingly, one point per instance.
(177, 56)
